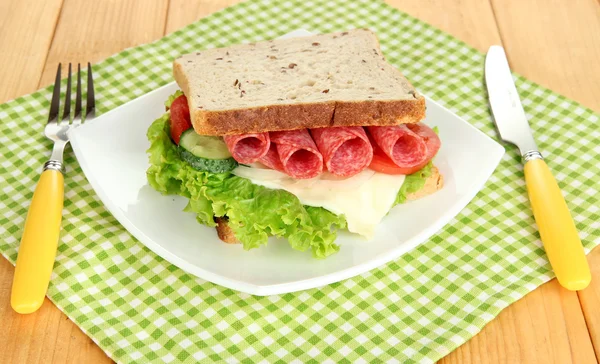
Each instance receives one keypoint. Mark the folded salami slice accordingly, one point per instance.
(272, 160)
(248, 148)
(295, 153)
(403, 146)
(431, 139)
(346, 150)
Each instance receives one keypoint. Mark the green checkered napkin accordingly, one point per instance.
(140, 308)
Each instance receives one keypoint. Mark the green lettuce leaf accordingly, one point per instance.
(413, 183)
(254, 212)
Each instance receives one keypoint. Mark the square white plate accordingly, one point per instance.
(111, 152)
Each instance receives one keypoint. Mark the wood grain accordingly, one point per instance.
(554, 43)
(46, 336)
(91, 30)
(546, 326)
(471, 21)
(590, 301)
(184, 12)
(27, 30)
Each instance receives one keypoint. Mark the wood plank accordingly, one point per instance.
(46, 336)
(91, 30)
(590, 301)
(471, 21)
(27, 29)
(540, 328)
(557, 44)
(184, 12)
(86, 31)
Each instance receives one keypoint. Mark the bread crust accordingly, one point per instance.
(300, 116)
(225, 232)
(434, 183)
(291, 116)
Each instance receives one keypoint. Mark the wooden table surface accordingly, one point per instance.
(554, 43)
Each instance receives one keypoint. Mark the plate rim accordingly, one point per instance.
(497, 152)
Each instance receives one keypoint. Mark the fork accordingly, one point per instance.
(42, 226)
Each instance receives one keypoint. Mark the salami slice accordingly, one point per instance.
(431, 139)
(346, 150)
(404, 147)
(248, 148)
(271, 159)
(297, 154)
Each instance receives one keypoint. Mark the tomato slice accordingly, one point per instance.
(382, 163)
(180, 118)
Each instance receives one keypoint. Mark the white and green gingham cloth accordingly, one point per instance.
(140, 308)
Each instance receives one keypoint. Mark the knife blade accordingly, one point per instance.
(506, 106)
(557, 229)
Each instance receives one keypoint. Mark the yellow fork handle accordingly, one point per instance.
(556, 226)
(38, 244)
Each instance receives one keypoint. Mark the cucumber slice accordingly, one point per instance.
(209, 165)
(204, 146)
(205, 153)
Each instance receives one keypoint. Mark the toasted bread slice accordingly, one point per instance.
(339, 79)
(434, 183)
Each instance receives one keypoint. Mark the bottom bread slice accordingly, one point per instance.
(432, 184)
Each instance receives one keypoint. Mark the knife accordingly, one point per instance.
(555, 224)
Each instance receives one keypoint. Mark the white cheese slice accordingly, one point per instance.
(364, 199)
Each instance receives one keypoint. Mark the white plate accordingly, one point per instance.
(111, 152)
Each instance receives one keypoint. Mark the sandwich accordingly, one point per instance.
(295, 138)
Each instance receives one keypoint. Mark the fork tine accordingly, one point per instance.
(67, 111)
(55, 103)
(91, 99)
(78, 93)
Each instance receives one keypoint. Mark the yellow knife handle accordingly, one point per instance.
(556, 226)
(38, 244)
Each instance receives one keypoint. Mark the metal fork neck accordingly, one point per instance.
(533, 154)
(54, 165)
(56, 160)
